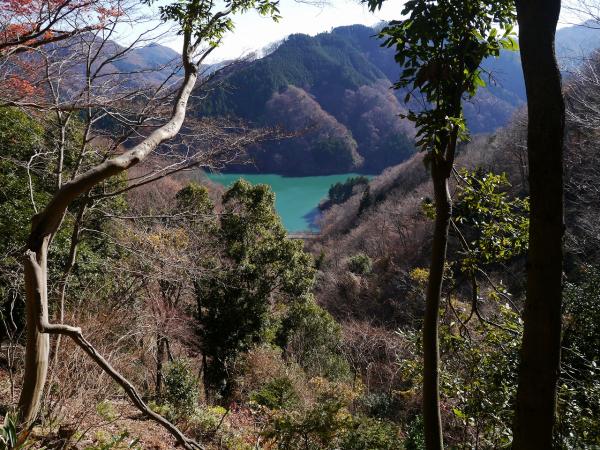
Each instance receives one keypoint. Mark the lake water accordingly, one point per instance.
(296, 198)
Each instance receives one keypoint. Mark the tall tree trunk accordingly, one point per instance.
(37, 350)
(431, 395)
(540, 353)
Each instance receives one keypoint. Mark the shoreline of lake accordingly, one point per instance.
(296, 198)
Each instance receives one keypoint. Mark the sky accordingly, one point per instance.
(253, 32)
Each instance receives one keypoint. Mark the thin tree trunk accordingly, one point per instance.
(38, 343)
(160, 356)
(431, 395)
(540, 353)
(204, 378)
(75, 235)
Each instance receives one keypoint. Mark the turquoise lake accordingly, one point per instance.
(296, 198)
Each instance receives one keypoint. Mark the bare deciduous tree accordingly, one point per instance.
(32, 24)
(101, 93)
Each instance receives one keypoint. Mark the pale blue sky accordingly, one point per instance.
(254, 32)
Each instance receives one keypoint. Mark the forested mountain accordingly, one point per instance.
(347, 117)
(348, 114)
(333, 91)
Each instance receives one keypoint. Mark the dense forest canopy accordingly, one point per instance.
(441, 302)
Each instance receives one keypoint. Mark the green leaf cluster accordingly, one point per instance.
(181, 388)
(440, 47)
(578, 424)
(494, 223)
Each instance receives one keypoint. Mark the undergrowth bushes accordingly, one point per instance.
(181, 389)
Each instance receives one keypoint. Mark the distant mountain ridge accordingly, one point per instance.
(153, 61)
(336, 85)
(334, 89)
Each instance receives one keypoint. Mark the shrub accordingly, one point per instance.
(365, 433)
(181, 388)
(279, 393)
(415, 439)
(259, 366)
(379, 404)
(164, 410)
(313, 337)
(319, 427)
(207, 420)
(106, 410)
(120, 441)
(360, 264)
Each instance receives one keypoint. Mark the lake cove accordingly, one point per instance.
(296, 198)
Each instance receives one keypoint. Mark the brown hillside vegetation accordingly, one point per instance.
(394, 232)
(143, 306)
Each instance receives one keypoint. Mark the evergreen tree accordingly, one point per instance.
(259, 267)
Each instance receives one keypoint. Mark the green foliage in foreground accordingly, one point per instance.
(27, 181)
(478, 377)
(415, 437)
(479, 371)
(20, 138)
(328, 424)
(579, 386)
(181, 388)
(8, 434)
(493, 224)
(259, 267)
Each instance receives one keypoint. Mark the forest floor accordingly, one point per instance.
(87, 425)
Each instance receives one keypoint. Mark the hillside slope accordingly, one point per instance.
(387, 222)
(333, 91)
(348, 75)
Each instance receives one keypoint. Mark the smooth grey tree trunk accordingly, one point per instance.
(37, 350)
